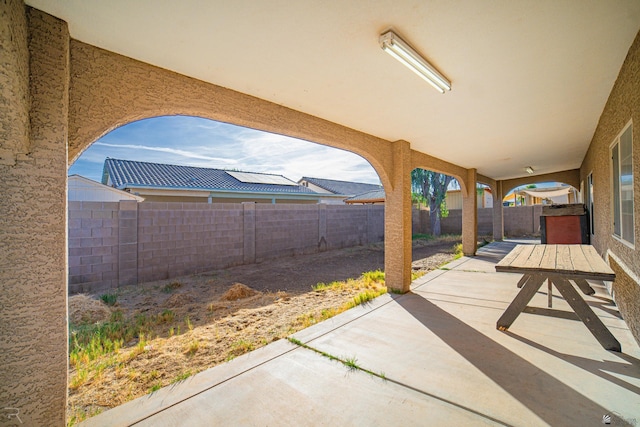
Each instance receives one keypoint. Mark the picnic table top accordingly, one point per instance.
(571, 261)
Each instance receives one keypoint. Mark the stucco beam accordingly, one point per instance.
(428, 162)
(110, 90)
(486, 180)
(571, 177)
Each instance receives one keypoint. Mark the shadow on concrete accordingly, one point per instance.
(630, 366)
(550, 312)
(547, 397)
(605, 305)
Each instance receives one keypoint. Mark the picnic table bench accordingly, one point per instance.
(559, 265)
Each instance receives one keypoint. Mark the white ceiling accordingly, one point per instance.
(530, 77)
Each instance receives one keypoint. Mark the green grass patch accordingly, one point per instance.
(109, 299)
(350, 363)
(457, 251)
(155, 387)
(181, 377)
(373, 277)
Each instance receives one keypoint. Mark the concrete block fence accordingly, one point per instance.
(518, 221)
(114, 244)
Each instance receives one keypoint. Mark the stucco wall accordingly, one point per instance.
(33, 244)
(622, 106)
(14, 97)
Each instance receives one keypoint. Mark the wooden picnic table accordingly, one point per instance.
(560, 265)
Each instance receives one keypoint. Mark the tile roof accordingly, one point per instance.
(345, 188)
(369, 196)
(127, 173)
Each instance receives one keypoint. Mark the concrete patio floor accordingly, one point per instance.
(440, 361)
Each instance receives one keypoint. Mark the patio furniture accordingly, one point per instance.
(560, 265)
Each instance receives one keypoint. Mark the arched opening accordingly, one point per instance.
(523, 203)
(141, 250)
(543, 193)
(437, 202)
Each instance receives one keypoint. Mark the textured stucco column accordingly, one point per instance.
(498, 211)
(397, 221)
(33, 229)
(470, 215)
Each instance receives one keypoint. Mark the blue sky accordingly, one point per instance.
(193, 141)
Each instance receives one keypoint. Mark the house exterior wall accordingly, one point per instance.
(622, 106)
(453, 199)
(316, 188)
(81, 189)
(34, 67)
(119, 243)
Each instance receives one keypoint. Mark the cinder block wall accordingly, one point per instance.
(518, 221)
(522, 220)
(120, 243)
(175, 239)
(93, 246)
(114, 244)
(346, 226)
(286, 230)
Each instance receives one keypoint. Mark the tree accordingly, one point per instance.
(433, 187)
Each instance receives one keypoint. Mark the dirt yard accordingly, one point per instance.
(171, 329)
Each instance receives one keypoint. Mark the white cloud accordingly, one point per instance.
(183, 153)
(199, 142)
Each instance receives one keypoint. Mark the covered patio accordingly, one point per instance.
(437, 357)
(541, 91)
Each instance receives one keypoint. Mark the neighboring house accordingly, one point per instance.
(560, 194)
(453, 199)
(373, 197)
(81, 189)
(337, 191)
(173, 183)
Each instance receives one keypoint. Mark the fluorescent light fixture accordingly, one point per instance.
(399, 49)
(529, 170)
